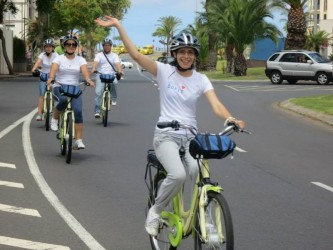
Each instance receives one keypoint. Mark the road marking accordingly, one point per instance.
(319, 184)
(7, 165)
(231, 88)
(27, 244)
(11, 184)
(19, 210)
(15, 124)
(81, 232)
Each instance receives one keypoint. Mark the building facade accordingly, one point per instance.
(18, 22)
(323, 16)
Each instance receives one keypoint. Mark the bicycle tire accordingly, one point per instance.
(69, 135)
(161, 241)
(63, 142)
(214, 201)
(47, 111)
(106, 111)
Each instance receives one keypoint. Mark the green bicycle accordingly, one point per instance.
(107, 79)
(208, 218)
(66, 132)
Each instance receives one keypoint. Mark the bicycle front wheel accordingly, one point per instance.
(106, 111)
(161, 241)
(69, 138)
(218, 223)
(47, 111)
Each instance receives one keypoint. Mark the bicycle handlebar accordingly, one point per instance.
(80, 83)
(231, 127)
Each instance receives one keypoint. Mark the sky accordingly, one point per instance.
(141, 19)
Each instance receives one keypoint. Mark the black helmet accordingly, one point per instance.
(185, 40)
(69, 37)
(107, 40)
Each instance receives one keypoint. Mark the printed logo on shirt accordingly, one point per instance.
(176, 88)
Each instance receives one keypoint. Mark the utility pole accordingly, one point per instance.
(315, 13)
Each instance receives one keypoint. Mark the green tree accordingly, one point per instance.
(240, 24)
(315, 40)
(166, 28)
(5, 7)
(296, 24)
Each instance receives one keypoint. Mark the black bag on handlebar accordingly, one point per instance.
(107, 78)
(70, 91)
(211, 146)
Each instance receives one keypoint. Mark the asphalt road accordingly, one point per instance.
(280, 191)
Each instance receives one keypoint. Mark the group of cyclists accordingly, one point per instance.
(180, 87)
(63, 64)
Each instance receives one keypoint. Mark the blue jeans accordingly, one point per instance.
(99, 88)
(61, 104)
(42, 88)
(166, 147)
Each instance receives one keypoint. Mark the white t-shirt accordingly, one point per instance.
(104, 66)
(47, 61)
(69, 69)
(179, 95)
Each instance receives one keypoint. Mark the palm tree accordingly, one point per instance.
(6, 6)
(166, 28)
(240, 24)
(314, 41)
(296, 24)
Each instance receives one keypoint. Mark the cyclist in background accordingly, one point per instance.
(60, 49)
(67, 67)
(180, 86)
(102, 63)
(44, 60)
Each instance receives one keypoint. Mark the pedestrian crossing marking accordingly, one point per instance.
(19, 210)
(7, 165)
(27, 244)
(11, 184)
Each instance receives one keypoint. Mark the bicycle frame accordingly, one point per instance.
(48, 93)
(64, 119)
(105, 92)
(183, 219)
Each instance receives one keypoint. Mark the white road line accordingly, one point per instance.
(319, 184)
(7, 165)
(83, 234)
(19, 210)
(27, 244)
(11, 184)
(231, 88)
(15, 124)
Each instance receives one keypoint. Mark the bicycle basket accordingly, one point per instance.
(43, 77)
(107, 78)
(211, 146)
(70, 91)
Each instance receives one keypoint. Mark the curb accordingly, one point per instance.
(316, 115)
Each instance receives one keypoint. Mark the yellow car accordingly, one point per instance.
(147, 50)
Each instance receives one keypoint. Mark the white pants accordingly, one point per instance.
(167, 145)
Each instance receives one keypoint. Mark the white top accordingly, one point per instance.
(69, 69)
(47, 61)
(179, 95)
(104, 66)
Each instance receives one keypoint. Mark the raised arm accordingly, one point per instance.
(143, 60)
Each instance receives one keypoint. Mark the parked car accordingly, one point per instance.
(147, 50)
(294, 65)
(165, 59)
(126, 64)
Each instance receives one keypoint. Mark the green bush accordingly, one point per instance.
(19, 50)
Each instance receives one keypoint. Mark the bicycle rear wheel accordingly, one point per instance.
(217, 214)
(47, 111)
(69, 138)
(161, 241)
(106, 111)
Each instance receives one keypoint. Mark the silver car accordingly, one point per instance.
(294, 65)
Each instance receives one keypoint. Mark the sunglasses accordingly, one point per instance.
(71, 45)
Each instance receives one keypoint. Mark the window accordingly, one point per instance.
(288, 57)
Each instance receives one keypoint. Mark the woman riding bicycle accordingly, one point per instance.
(67, 68)
(44, 60)
(180, 86)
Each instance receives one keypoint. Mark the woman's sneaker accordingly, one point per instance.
(79, 144)
(54, 125)
(152, 222)
(39, 117)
